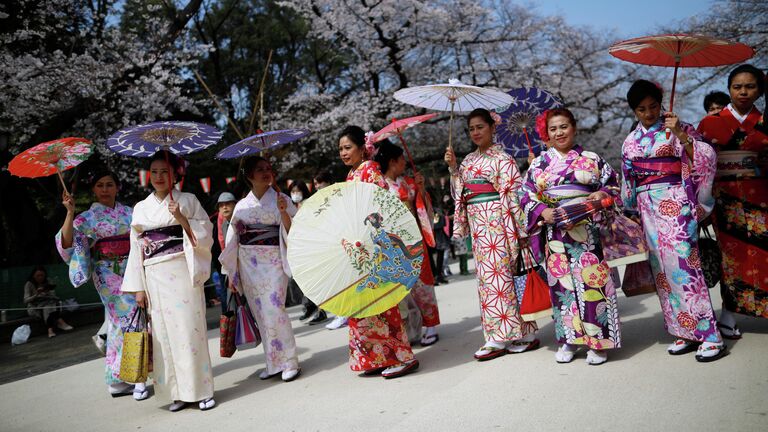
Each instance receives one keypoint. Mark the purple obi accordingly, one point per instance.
(162, 241)
(110, 248)
(664, 170)
(557, 196)
(260, 235)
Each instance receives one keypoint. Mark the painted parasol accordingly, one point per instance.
(517, 132)
(454, 97)
(262, 141)
(52, 157)
(355, 249)
(423, 205)
(680, 50)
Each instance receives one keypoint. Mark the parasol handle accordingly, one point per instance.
(672, 96)
(170, 178)
(61, 178)
(407, 152)
(450, 129)
(528, 140)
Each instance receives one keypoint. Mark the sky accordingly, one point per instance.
(628, 18)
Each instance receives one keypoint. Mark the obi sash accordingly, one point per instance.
(260, 235)
(162, 241)
(110, 248)
(556, 196)
(651, 171)
(479, 191)
(737, 163)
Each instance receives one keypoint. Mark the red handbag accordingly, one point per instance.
(536, 302)
(227, 324)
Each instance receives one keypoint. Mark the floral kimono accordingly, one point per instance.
(584, 303)
(423, 292)
(165, 265)
(99, 250)
(376, 341)
(485, 192)
(672, 193)
(255, 254)
(741, 216)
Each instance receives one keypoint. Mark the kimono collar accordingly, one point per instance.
(269, 195)
(655, 128)
(740, 118)
(572, 153)
(99, 206)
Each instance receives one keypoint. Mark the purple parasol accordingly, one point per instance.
(262, 141)
(178, 137)
(517, 131)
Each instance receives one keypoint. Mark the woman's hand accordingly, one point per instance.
(141, 299)
(175, 210)
(598, 195)
(531, 157)
(450, 158)
(282, 205)
(69, 202)
(672, 122)
(549, 216)
(232, 288)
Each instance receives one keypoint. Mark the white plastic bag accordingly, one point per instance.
(21, 335)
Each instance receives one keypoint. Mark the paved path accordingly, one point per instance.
(640, 388)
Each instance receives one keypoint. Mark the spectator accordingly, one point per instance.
(715, 101)
(41, 301)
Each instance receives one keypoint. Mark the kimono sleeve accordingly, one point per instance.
(609, 180)
(507, 182)
(77, 256)
(529, 197)
(134, 279)
(701, 170)
(291, 210)
(628, 193)
(231, 251)
(198, 256)
(460, 223)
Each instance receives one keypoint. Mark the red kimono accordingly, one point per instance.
(377, 341)
(741, 210)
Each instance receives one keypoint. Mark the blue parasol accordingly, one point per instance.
(261, 141)
(517, 131)
(177, 137)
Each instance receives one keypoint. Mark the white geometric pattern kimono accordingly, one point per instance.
(173, 284)
(261, 272)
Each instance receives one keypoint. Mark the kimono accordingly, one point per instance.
(741, 215)
(99, 250)
(584, 305)
(377, 341)
(423, 292)
(485, 194)
(165, 265)
(255, 254)
(672, 193)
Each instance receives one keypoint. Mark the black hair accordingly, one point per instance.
(716, 97)
(176, 163)
(483, 114)
(100, 173)
(356, 134)
(755, 72)
(323, 177)
(36, 269)
(386, 153)
(302, 187)
(642, 89)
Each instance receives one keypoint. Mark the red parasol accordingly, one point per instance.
(51, 157)
(568, 216)
(680, 50)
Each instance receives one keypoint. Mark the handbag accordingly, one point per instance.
(246, 332)
(134, 362)
(711, 258)
(638, 279)
(536, 301)
(227, 324)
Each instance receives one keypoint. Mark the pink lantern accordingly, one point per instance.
(143, 177)
(205, 183)
(230, 179)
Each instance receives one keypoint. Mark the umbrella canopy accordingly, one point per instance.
(51, 157)
(517, 132)
(262, 141)
(177, 137)
(355, 249)
(397, 127)
(567, 216)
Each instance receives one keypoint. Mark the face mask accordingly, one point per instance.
(296, 197)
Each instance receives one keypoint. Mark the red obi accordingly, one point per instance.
(112, 247)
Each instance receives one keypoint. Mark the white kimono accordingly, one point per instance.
(173, 284)
(262, 273)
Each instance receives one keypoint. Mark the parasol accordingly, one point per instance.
(396, 128)
(453, 97)
(567, 216)
(518, 121)
(680, 50)
(260, 142)
(355, 249)
(51, 157)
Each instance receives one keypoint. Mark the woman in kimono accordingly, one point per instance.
(378, 344)
(484, 189)
(583, 293)
(169, 261)
(95, 244)
(392, 162)
(255, 254)
(739, 134)
(668, 181)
